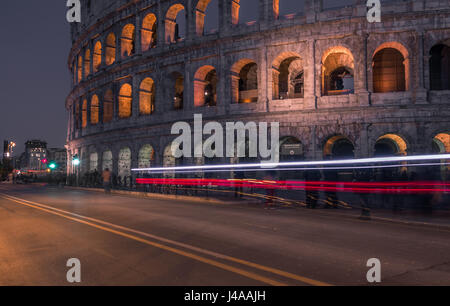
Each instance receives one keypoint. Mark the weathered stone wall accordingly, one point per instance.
(411, 27)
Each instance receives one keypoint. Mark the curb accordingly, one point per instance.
(140, 194)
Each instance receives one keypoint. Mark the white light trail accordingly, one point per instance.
(268, 166)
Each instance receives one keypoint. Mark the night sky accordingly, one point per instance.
(34, 78)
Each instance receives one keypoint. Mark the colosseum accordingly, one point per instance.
(337, 84)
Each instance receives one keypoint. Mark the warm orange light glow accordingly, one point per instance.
(125, 99)
(97, 58)
(110, 49)
(146, 97)
(94, 110)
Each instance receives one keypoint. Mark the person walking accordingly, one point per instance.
(106, 175)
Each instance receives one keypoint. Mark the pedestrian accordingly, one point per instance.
(311, 192)
(106, 175)
(331, 175)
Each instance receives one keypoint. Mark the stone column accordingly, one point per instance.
(137, 35)
(234, 88)
(421, 92)
(275, 83)
(310, 94)
(360, 77)
(188, 103)
(312, 9)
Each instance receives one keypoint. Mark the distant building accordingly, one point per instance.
(35, 154)
(59, 156)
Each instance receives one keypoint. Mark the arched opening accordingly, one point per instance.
(87, 62)
(440, 67)
(97, 58)
(146, 156)
(95, 107)
(80, 68)
(287, 9)
(107, 160)
(108, 106)
(207, 17)
(337, 72)
(288, 77)
(147, 97)
(175, 23)
(125, 99)
(389, 71)
(244, 11)
(127, 39)
(93, 162)
(244, 81)
(339, 147)
(169, 161)
(205, 86)
(124, 162)
(441, 143)
(84, 116)
(177, 80)
(110, 56)
(149, 32)
(390, 145)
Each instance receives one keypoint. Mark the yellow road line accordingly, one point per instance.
(60, 212)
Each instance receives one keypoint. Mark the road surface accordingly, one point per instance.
(122, 240)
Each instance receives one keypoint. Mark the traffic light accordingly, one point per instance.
(75, 160)
(52, 165)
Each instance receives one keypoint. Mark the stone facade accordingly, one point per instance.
(411, 118)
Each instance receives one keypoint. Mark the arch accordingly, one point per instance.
(127, 41)
(87, 62)
(125, 101)
(440, 67)
(205, 21)
(441, 143)
(390, 145)
(339, 147)
(337, 71)
(244, 81)
(80, 68)
(107, 160)
(124, 162)
(251, 7)
(177, 92)
(110, 55)
(205, 86)
(93, 161)
(95, 107)
(390, 64)
(149, 32)
(108, 106)
(147, 97)
(97, 56)
(287, 76)
(146, 156)
(172, 27)
(287, 9)
(84, 114)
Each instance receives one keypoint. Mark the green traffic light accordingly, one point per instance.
(52, 166)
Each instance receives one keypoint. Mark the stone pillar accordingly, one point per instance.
(190, 20)
(360, 77)
(137, 35)
(422, 59)
(135, 97)
(234, 88)
(115, 90)
(310, 95)
(312, 9)
(188, 93)
(161, 26)
(275, 83)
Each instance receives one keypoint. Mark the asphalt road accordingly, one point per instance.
(123, 240)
